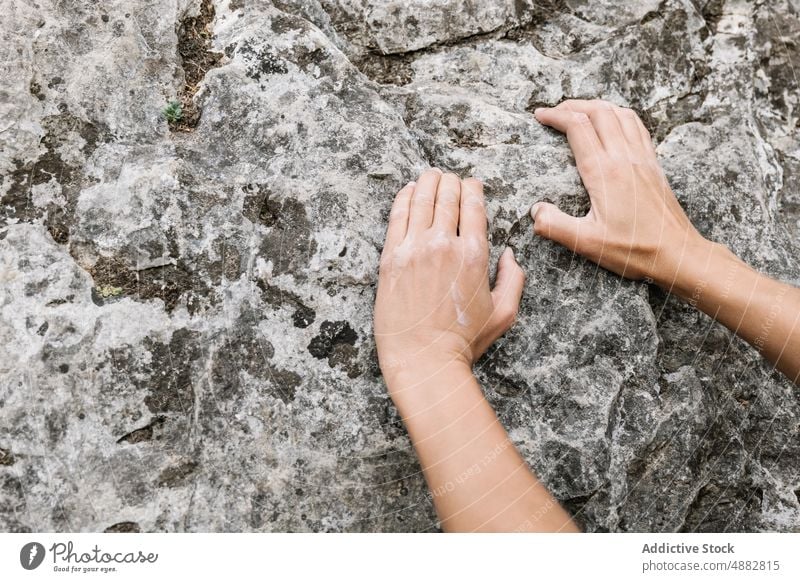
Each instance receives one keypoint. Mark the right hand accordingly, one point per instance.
(635, 227)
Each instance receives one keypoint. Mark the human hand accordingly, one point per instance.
(635, 227)
(434, 303)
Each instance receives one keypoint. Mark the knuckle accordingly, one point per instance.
(398, 213)
(580, 118)
(423, 203)
(439, 245)
(386, 264)
(475, 251)
(447, 195)
(473, 200)
(474, 182)
(450, 177)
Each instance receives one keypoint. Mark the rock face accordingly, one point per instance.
(185, 307)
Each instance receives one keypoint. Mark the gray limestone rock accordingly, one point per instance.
(185, 306)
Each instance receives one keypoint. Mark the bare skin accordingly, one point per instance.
(435, 313)
(637, 229)
(434, 316)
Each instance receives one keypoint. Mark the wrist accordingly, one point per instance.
(424, 381)
(681, 262)
(402, 360)
(699, 265)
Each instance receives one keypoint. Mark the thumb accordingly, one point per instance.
(507, 291)
(551, 223)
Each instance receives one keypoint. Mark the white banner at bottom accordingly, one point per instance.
(400, 557)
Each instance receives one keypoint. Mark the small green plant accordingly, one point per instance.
(173, 112)
(109, 291)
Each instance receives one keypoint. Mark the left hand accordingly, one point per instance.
(434, 300)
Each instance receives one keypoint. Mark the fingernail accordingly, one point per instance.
(534, 208)
(510, 251)
(411, 184)
(437, 170)
(539, 110)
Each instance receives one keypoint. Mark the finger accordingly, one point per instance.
(581, 134)
(551, 223)
(472, 215)
(507, 290)
(604, 120)
(421, 212)
(398, 217)
(630, 128)
(446, 208)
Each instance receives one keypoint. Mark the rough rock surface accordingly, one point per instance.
(185, 308)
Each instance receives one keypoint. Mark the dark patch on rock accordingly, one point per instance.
(13, 495)
(240, 348)
(493, 367)
(663, 117)
(720, 507)
(56, 424)
(303, 315)
(123, 527)
(286, 383)
(177, 475)
(144, 434)
(287, 23)
(387, 69)
(197, 58)
(316, 61)
(288, 243)
(535, 103)
(6, 458)
(262, 61)
(17, 203)
(258, 206)
(170, 283)
(170, 388)
(263, 510)
(36, 90)
(345, 357)
(331, 334)
(712, 13)
(228, 266)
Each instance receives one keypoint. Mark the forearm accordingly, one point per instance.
(477, 479)
(764, 312)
